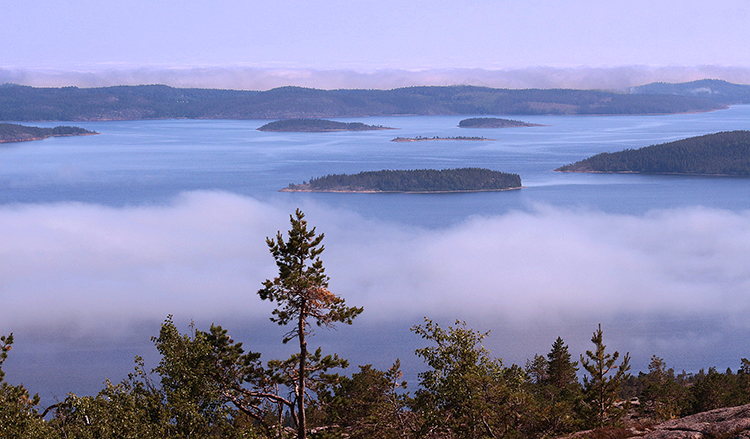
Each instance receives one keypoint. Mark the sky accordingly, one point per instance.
(293, 38)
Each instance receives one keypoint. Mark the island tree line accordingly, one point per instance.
(414, 180)
(207, 385)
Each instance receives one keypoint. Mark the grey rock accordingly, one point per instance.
(725, 423)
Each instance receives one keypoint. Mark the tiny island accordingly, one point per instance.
(423, 139)
(10, 132)
(726, 153)
(318, 126)
(494, 122)
(412, 181)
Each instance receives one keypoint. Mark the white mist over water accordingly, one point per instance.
(80, 281)
(104, 236)
(204, 256)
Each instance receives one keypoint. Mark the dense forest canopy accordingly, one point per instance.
(724, 153)
(416, 180)
(19, 103)
(493, 122)
(318, 125)
(10, 132)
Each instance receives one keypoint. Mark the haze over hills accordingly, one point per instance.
(24, 103)
(620, 78)
(714, 89)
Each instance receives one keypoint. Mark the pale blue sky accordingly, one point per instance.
(368, 35)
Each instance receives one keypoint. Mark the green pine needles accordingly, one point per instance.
(301, 292)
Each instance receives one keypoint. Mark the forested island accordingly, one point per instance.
(318, 126)
(415, 180)
(724, 153)
(22, 103)
(423, 139)
(494, 122)
(11, 132)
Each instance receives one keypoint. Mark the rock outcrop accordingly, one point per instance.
(725, 423)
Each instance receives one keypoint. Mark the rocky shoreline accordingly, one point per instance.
(427, 139)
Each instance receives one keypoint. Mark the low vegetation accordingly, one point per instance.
(724, 153)
(208, 386)
(416, 180)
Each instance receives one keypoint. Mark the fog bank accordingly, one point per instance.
(251, 78)
(93, 268)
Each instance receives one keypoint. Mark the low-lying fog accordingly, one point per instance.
(84, 286)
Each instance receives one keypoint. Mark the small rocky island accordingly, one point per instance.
(726, 153)
(318, 126)
(10, 132)
(423, 139)
(412, 181)
(494, 122)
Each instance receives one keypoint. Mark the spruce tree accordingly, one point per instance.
(602, 386)
(561, 372)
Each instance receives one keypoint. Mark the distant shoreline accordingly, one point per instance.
(687, 174)
(157, 102)
(286, 189)
(31, 139)
(14, 133)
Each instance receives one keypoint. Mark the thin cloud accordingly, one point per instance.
(204, 256)
(250, 78)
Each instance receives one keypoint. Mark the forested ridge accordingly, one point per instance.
(24, 103)
(723, 153)
(415, 180)
(10, 132)
(207, 385)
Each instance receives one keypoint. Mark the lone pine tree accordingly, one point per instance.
(301, 292)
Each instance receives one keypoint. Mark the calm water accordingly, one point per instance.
(139, 163)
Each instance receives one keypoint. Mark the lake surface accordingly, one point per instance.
(138, 162)
(150, 164)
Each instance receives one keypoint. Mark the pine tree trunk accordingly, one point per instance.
(302, 424)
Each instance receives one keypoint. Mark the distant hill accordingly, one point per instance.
(717, 90)
(10, 132)
(318, 125)
(23, 103)
(494, 122)
(724, 153)
(416, 180)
